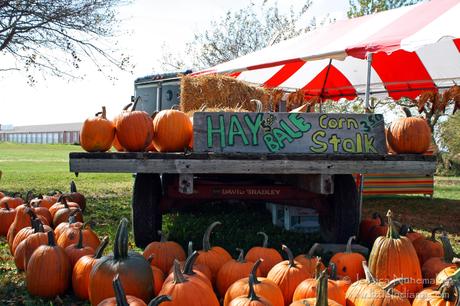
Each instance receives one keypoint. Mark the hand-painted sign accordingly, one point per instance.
(289, 133)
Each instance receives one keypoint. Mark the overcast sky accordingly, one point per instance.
(150, 24)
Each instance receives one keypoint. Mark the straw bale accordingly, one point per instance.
(220, 92)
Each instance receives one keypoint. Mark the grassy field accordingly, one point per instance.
(44, 168)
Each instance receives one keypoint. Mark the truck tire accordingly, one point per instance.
(146, 213)
(340, 219)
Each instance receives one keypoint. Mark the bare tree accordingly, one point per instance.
(55, 36)
(240, 32)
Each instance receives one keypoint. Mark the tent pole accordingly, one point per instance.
(324, 85)
(368, 82)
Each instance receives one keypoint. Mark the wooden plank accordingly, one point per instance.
(244, 166)
(289, 133)
(247, 156)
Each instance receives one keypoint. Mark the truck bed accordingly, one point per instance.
(250, 163)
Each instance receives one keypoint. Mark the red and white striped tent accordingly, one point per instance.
(414, 48)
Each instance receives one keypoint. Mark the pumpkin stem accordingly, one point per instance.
(116, 243)
(125, 108)
(391, 285)
(448, 251)
(138, 98)
(160, 299)
(120, 295)
(312, 250)
(189, 263)
(369, 277)
(163, 237)
(321, 290)
(73, 187)
(51, 241)
(290, 256)
(29, 196)
(79, 245)
(252, 296)
(348, 248)
(190, 248)
(150, 259)
(7, 207)
(333, 268)
(155, 113)
(240, 256)
(318, 268)
(433, 233)
(104, 113)
(124, 240)
(391, 233)
(179, 278)
(41, 229)
(207, 234)
(265, 243)
(253, 272)
(447, 290)
(407, 112)
(100, 249)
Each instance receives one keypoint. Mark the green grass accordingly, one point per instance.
(43, 168)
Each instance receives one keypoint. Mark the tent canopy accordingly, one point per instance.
(415, 48)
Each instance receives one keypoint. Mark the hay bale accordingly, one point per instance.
(221, 92)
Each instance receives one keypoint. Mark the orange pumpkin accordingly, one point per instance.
(72, 222)
(134, 129)
(13, 202)
(428, 247)
(251, 298)
(196, 266)
(190, 272)
(173, 131)
(97, 133)
(309, 261)
(40, 210)
(116, 144)
(262, 287)
(403, 263)
(27, 231)
(349, 263)
(366, 225)
(62, 202)
(21, 219)
(434, 265)
(165, 252)
(48, 271)
(77, 250)
(158, 277)
(26, 247)
(7, 215)
(409, 232)
(447, 272)
(82, 270)
(308, 289)
(270, 256)
(232, 271)
(342, 282)
(213, 257)
(321, 294)
(188, 291)
(288, 274)
(43, 201)
(121, 299)
(409, 135)
(444, 295)
(71, 234)
(76, 197)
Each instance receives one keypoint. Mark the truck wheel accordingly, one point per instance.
(146, 213)
(340, 219)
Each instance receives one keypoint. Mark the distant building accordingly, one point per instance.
(68, 133)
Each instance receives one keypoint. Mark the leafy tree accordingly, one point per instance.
(241, 32)
(450, 137)
(56, 36)
(365, 7)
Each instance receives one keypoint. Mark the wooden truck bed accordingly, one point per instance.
(251, 163)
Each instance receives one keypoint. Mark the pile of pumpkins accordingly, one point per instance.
(136, 131)
(59, 252)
